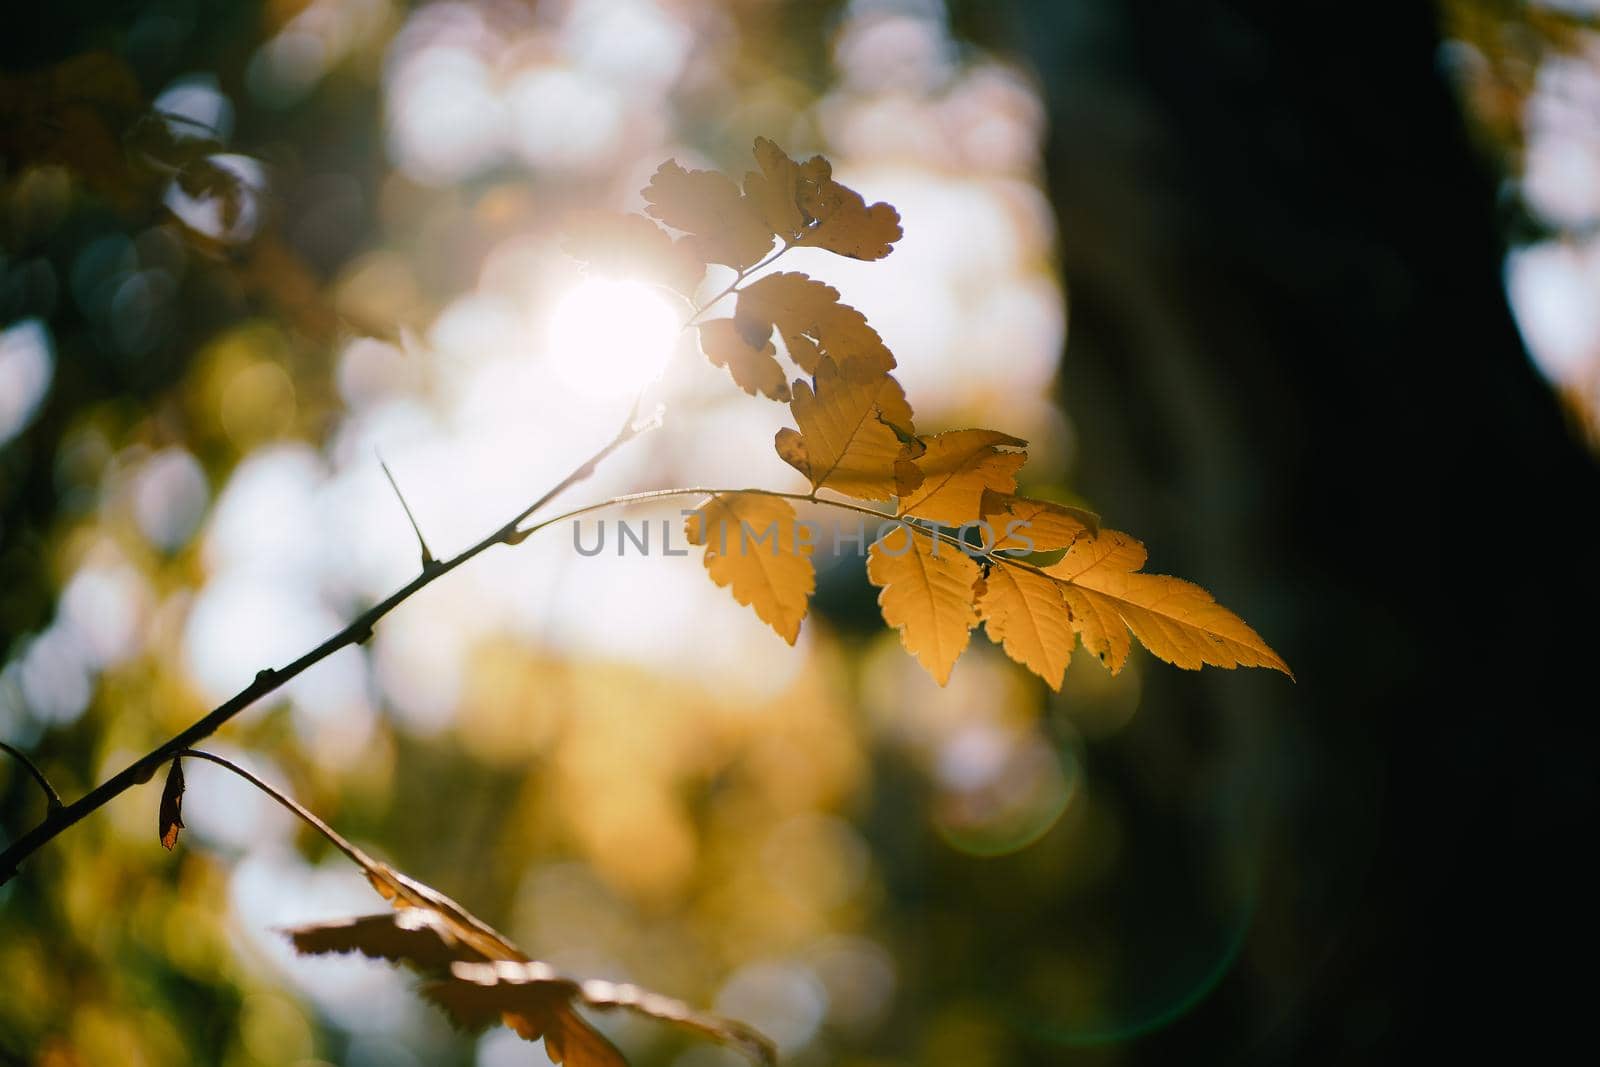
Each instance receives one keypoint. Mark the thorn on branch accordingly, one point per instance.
(428, 562)
(648, 422)
(52, 799)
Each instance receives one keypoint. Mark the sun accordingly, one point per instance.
(611, 338)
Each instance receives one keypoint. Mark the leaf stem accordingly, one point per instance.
(731, 286)
(355, 855)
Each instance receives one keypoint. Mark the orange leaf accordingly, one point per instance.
(814, 324)
(1176, 620)
(754, 367)
(848, 439)
(776, 190)
(927, 591)
(754, 547)
(843, 223)
(1021, 524)
(947, 482)
(1024, 612)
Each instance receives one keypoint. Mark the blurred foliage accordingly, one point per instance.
(1528, 72)
(232, 228)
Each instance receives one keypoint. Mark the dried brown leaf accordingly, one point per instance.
(479, 993)
(170, 814)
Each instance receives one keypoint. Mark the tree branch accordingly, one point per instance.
(60, 817)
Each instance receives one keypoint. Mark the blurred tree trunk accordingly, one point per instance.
(1292, 369)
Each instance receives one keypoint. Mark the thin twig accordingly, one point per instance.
(52, 799)
(141, 770)
(358, 631)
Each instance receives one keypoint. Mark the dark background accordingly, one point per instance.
(1284, 259)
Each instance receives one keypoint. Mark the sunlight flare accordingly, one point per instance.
(611, 338)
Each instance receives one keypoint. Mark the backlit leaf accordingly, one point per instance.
(1096, 621)
(847, 439)
(480, 993)
(813, 323)
(804, 205)
(1019, 524)
(841, 221)
(432, 933)
(754, 366)
(947, 482)
(1024, 612)
(421, 937)
(726, 227)
(927, 593)
(1176, 620)
(755, 547)
(775, 190)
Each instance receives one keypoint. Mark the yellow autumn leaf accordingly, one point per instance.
(753, 547)
(804, 205)
(947, 482)
(1020, 524)
(1097, 622)
(1023, 612)
(775, 190)
(1178, 621)
(754, 366)
(1107, 550)
(928, 587)
(843, 223)
(725, 227)
(813, 323)
(847, 439)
